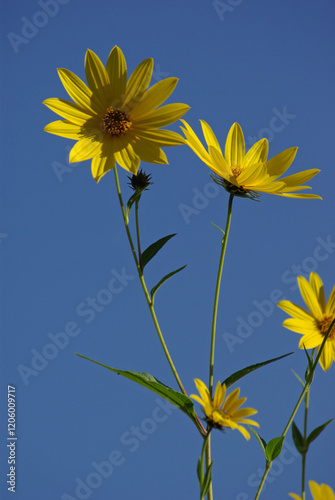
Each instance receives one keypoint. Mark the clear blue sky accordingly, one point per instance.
(62, 240)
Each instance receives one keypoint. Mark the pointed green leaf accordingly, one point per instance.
(314, 434)
(207, 480)
(245, 371)
(299, 440)
(301, 382)
(199, 472)
(132, 199)
(261, 441)
(217, 227)
(155, 288)
(178, 399)
(273, 448)
(151, 251)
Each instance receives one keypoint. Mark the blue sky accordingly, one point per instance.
(268, 66)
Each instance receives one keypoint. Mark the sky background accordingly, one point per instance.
(62, 240)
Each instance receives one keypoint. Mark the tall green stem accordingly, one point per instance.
(144, 287)
(214, 320)
(302, 395)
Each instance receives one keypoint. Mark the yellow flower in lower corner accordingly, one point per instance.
(319, 492)
(115, 120)
(313, 324)
(222, 411)
(248, 174)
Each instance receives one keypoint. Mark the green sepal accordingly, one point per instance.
(245, 371)
(314, 434)
(273, 448)
(299, 440)
(207, 481)
(168, 276)
(151, 251)
(261, 441)
(131, 201)
(178, 399)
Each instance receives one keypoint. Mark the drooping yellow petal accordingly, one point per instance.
(149, 152)
(310, 340)
(84, 149)
(327, 356)
(128, 159)
(101, 165)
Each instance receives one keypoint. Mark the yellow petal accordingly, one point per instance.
(317, 287)
(294, 310)
(301, 326)
(154, 97)
(235, 147)
(161, 137)
(327, 355)
(218, 396)
(149, 152)
(68, 110)
(203, 391)
(310, 340)
(97, 78)
(300, 177)
(309, 297)
(101, 165)
(128, 159)
(253, 175)
(137, 84)
(162, 116)
(257, 153)
(116, 68)
(85, 149)
(64, 129)
(322, 492)
(195, 144)
(330, 307)
(301, 196)
(220, 166)
(296, 497)
(79, 92)
(277, 165)
(210, 137)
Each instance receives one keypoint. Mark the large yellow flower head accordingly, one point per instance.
(115, 120)
(223, 412)
(318, 492)
(248, 174)
(313, 324)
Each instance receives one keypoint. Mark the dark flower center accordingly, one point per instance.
(115, 122)
(323, 326)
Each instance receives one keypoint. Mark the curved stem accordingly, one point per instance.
(214, 320)
(308, 383)
(144, 287)
(138, 234)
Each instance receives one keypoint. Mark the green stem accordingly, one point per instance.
(138, 234)
(302, 395)
(304, 455)
(204, 448)
(214, 320)
(144, 287)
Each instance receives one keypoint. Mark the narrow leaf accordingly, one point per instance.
(217, 227)
(261, 441)
(314, 434)
(131, 201)
(200, 472)
(301, 382)
(207, 480)
(245, 371)
(273, 448)
(299, 440)
(151, 251)
(168, 276)
(178, 399)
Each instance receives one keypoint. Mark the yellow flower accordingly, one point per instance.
(313, 325)
(221, 412)
(247, 174)
(322, 492)
(115, 120)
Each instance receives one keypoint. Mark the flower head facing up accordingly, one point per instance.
(115, 119)
(313, 324)
(318, 492)
(222, 411)
(140, 181)
(248, 174)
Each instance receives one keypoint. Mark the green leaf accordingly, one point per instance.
(151, 251)
(299, 440)
(314, 434)
(273, 448)
(155, 288)
(131, 201)
(207, 480)
(261, 441)
(217, 227)
(301, 382)
(178, 399)
(245, 371)
(199, 472)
